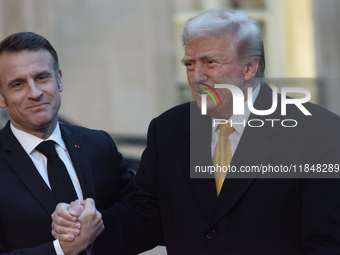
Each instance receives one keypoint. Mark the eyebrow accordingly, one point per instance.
(200, 56)
(15, 80)
(185, 58)
(46, 72)
(208, 55)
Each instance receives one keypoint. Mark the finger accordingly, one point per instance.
(63, 237)
(102, 227)
(89, 202)
(77, 202)
(64, 230)
(60, 221)
(99, 217)
(61, 211)
(90, 213)
(75, 208)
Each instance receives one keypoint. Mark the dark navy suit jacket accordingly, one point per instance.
(26, 202)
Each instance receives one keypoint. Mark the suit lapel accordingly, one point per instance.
(22, 165)
(80, 160)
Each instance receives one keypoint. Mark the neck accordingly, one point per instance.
(41, 132)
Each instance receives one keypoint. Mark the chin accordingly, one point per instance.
(43, 122)
(211, 107)
(210, 102)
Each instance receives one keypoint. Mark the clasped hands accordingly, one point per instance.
(76, 225)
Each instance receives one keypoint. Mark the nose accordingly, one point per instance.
(199, 73)
(34, 91)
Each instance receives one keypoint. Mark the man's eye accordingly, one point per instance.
(211, 61)
(42, 78)
(189, 65)
(16, 85)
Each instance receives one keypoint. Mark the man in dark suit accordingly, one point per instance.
(295, 212)
(30, 86)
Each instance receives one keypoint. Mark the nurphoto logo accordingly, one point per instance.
(238, 104)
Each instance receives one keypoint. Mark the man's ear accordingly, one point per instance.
(60, 81)
(251, 70)
(3, 102)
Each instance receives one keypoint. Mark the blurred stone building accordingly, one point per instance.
(120, 59)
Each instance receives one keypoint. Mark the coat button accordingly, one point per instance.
(210, 234)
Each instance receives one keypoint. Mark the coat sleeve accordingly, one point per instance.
(320, 197)
(134, 226)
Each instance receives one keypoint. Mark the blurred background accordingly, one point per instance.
(120, 59)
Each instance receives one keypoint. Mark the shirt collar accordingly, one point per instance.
(29, 142)
(241, 118)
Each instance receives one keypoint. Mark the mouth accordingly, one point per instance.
(37, 106)
(205, 89)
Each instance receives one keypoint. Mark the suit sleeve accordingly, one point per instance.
(125, 176)
(46, 249)
(134, 226)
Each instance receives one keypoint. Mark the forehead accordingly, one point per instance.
(208, 45)
(24, 62)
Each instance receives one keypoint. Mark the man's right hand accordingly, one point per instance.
(65, 225)
(68, 220)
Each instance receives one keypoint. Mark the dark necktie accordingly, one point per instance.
(60, 181)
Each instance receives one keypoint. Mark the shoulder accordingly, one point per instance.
(321, 113)
(73, 129)
(176, 115)
(319, 118)
(176, 111)
(86, 134)
(171, 123)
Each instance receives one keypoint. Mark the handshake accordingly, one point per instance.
(76, 225)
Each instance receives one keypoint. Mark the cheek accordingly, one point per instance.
(57, 99)
(189, 75)
(224, 94)
(195, 94)
(14, 101)
(52, 93)
(228, 70)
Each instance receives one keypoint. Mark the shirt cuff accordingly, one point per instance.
(57, 247)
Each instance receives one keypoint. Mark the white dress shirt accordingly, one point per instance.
(238, 125)
(30, 142)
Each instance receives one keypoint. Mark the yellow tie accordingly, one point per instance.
(222, 154)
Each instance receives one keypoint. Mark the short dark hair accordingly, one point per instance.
(28, 41)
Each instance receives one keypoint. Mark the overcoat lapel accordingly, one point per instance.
(22, 165)
(80, 160)
(199, 147)
(254, 149)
